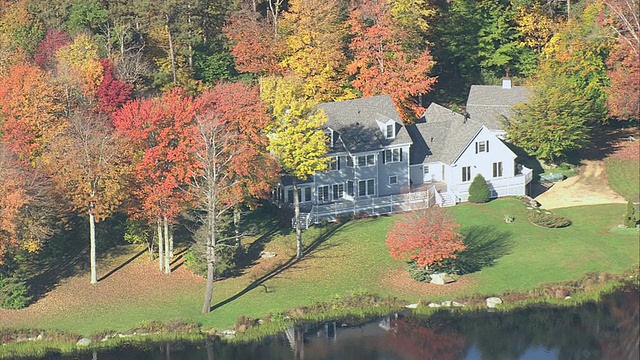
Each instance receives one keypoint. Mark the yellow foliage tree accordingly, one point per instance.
(79, 66)
(296, 138)
(315, 48)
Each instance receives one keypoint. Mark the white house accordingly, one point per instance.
(376, 157)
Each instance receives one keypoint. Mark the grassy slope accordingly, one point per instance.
(354, 257)
(624, 176)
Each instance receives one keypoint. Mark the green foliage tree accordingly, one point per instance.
(478, 190)
(555, 121)
(296, 138)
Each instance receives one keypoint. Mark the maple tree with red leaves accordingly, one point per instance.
(112, 93)
(231, 154)
(162, 131)
(45, 54)
(381, 65)
(426, 236)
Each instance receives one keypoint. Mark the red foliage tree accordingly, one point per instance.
(162, 132)
(381, 64)
(45, 54)
(112, 93)
(426, 237)
(624, 72)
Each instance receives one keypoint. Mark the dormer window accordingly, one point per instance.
(391, 131)
(329, 134)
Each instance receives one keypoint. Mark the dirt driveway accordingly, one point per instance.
(589, 187)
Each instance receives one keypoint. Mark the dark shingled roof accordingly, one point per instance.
(440, 135)
(355, 123)
(490, 105)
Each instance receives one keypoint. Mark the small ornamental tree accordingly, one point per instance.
(427, 237)
(631, 217)
(478, 190)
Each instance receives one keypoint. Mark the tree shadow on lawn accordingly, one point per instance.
(485, 244)
(330, 231)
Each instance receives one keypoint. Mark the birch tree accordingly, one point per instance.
(89, 164)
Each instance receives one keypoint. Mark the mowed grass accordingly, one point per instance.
(353, 258)
(624, 177)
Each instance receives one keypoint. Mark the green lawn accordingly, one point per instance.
(624, 177)
(352, 258)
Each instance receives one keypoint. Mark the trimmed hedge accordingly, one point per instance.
(548, 220)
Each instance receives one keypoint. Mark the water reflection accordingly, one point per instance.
(594, 331)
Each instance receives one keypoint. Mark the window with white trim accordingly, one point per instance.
(349, 161)
(366, 187)
(393, 179)
(366, 160)
(393, 155)
(497, 169)
(323, 193)
(304, 194)
(390, 134)
(338, 191)
(334, 164)
(350, 188)
(482, 146)
(425, 169)
(466, 173)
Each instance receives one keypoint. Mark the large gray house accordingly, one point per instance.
(378, 165)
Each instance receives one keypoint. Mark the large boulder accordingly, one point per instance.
(493, 301)
(83, 342)
(441, 278)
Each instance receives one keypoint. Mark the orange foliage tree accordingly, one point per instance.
(162, 132)
(29, 109)
(427, 237)
(381, 64)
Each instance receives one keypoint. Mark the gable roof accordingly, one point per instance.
(441, 135)
(355, 121)
(489, 105)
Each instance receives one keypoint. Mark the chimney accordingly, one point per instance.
(506, 81)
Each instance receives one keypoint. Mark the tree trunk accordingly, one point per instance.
(167, 249)
(92, 232)
(296, 206)
(211, 257)
(237, 212)
(160, 245)
(172, 54)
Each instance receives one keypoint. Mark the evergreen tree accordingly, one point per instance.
(478, 190)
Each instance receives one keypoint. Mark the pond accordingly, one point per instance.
(605, 330)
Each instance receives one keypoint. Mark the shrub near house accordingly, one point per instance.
(478, 190)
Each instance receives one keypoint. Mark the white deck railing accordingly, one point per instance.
(370, 206)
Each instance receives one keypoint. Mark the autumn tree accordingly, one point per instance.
(254, 47)
(88, 161)
(623, 62)
(316, 44)
(20, 33)
(162, 133)
(79, 71)
(381, 65)
(44, 55)
(29, 110)
(296, 138)
(112, 93)
(426, 236)
(27, 205)
(231, 155)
